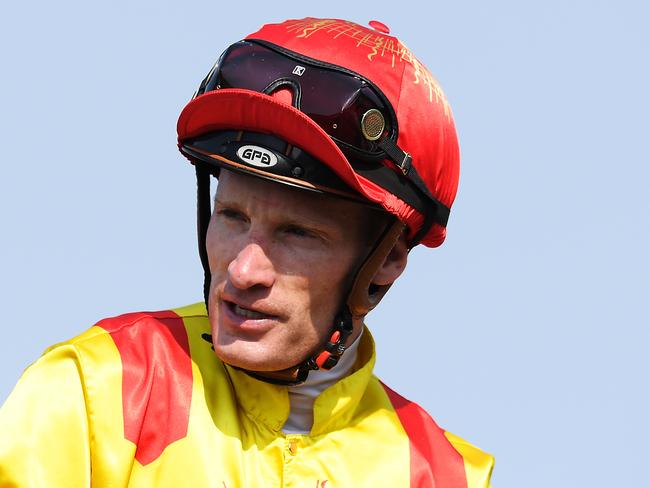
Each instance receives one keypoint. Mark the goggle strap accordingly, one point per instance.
(400, 157)
(403, 161)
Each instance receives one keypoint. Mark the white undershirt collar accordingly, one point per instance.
(302, 397)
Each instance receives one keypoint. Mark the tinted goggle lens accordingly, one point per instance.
(344, 105)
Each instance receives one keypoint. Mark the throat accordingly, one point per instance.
(302, 397)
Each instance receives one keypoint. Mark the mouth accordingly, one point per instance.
(247, 313)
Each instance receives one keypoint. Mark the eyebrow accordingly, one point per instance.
(218, 201)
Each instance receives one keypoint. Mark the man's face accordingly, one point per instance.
(280, 260)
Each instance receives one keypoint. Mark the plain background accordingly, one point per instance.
(526, 333)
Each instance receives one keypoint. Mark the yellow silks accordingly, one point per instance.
(142, 400)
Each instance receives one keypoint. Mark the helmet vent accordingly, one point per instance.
(373, 124)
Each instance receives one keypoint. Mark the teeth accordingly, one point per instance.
(249, 314)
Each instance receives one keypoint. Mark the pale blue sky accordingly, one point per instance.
(526, 333)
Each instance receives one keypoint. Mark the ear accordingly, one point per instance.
(393, 265)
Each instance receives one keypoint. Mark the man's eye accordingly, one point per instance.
(298, 231)
(230, 214)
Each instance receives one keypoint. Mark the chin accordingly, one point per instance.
(254, 357)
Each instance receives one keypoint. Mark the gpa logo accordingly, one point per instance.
(257, 156)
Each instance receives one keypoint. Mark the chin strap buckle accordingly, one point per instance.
(335, 347)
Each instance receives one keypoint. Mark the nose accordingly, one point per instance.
(251, 267)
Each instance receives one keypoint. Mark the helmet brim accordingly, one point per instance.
(247, 110)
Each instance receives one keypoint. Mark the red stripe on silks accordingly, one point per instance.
(434, 461)
(156, 379)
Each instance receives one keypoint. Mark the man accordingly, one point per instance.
(336, 153)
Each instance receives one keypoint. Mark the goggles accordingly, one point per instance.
(350, 109)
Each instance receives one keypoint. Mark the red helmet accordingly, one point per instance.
(329, 106)
(368, 100)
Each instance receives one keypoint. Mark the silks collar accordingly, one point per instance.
(268, 403)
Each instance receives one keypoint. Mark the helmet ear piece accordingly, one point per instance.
(366, 293)
(394, 264)
(388, 272)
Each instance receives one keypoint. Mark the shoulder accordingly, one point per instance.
(134, 355)
(438, 457)
(138, 349)
(140, 345)
(127, 378)
(142, 365)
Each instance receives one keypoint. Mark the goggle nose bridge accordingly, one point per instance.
(286, 83)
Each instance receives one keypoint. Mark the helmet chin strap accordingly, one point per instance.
(362, 297)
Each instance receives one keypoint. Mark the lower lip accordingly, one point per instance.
(232, 320)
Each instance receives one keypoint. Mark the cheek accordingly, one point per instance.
(217, 247)
(327, 288)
